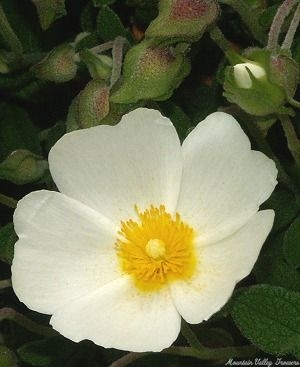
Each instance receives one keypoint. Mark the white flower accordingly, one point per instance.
(144, 231)
(242, 76)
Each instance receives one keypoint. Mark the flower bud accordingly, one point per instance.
(183, 19)
(58, 66)
(150, 73)
(284, 71)
(93, 104)
(242, 74)
(261, 85)
(22, 167)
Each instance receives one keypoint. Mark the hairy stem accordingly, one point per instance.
(5, 283)
(7, 313)
(282, 12)
(291, 137)
(117, 54)
(8, 201)
(287, 43)
(204, 354)
(190, 337)
(218, 37)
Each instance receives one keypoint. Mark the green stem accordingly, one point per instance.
(7, 313)
(190, 337)
(8, 34)
(5, 283)
(264, 146)
(291, 137)
(128, 358)
(282, 12)
(246, 14)
(209, 354)
(8, 201)
(287, 43)
(214, 353)
(218, 37)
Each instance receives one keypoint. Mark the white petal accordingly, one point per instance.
(221, 266)
(119, 316)
(65, 250)
(223, 181)
(113, 168)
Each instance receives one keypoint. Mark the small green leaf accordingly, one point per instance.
(271, 267)
(49, 11)
(291, 244)
(284, 204)
(22, 167)
(53, 351)
(8, 239)
(50, 136)
(7, 357)
(16, 131)
(109, 25)
(270, 317)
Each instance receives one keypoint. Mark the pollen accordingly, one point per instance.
(156, 249)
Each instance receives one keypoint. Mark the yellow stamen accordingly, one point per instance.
(156, 249)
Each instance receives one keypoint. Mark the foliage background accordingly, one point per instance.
(262, 319)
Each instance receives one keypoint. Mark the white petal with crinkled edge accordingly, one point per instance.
(111, 169)
(119, 316)
(223, 181)
(220, 267)
(65, 250)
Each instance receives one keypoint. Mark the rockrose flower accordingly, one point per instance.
(144, 231)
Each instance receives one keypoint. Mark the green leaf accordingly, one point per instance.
(16, 131)
(8, 239)
(270, 317)
(49, 11)
(8, 33)
(53, 351)
(109, 25)
(22, 167)
(50, 136)
(179, 118)
(284, 204)
(291, 244)
(7, 357)
(272, 268)
(22, 19)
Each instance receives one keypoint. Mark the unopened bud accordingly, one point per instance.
(22, 167)
(93, 104)
(242, 74)
(150, 73)
(183, 19)
(58, 66)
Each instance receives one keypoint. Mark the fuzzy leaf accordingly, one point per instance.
(8, 239)
(270, 318)
(291, 244)
(16, 131)
(284, 204)
(109, 25)
(49, 11)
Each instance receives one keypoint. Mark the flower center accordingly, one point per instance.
(156, 249)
